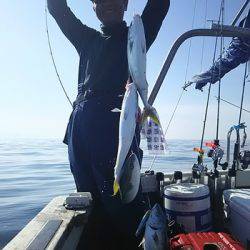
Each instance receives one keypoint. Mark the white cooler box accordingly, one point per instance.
(237, 209)
(189, 205)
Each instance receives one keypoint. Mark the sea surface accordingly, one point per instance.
(33, 171)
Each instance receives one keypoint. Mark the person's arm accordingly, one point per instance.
(152, 17)
(237, 53)
(77, 33)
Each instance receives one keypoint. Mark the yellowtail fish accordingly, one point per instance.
(127, 125)
(130, 179)
(136, 52)
(154, 226)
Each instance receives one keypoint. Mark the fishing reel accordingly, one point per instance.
(198, 168)
(216, 153)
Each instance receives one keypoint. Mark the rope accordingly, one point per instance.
(52, 56)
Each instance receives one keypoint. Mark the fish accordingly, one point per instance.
(137, 60)
(127, 125)
(130, 179)
(155, 234)
(141, 228)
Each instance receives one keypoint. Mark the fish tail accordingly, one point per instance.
(116, 188)
(150, 112)
(142, 242)
(153, 115)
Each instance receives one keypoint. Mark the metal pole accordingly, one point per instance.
(214, 32)
(231, 28)
(240, 12)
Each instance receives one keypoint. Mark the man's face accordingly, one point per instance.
(110, 11)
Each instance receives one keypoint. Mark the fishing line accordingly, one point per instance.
(203, 42)
(52, 56)
(190, 42)
(232, 104)
(183, 90)
(169, 123)
(186, 72)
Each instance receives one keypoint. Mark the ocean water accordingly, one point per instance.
(32, 172)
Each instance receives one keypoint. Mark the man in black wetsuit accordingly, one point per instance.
(92, 132)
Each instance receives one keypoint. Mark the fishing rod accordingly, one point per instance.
(52, 55)
(216, 152)
(214, 31)
(243, 94)
(219, 85)
(198, 167)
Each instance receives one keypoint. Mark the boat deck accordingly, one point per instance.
(55, 227)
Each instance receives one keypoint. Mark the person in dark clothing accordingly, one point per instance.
(238, 52)
(92, 132)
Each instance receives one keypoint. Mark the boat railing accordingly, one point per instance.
(214, 31)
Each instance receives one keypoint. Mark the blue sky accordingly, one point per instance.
(33, 105)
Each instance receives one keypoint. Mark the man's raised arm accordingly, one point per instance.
(77, 33)
(152, 17)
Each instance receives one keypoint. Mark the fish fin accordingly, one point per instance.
(152, 113)
(141, 228)
(116, 110)
(116, 187)
(142, 242)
